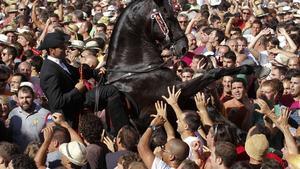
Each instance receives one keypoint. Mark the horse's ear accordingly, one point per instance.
(159, 2)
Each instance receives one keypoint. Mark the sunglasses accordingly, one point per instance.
(22, 9)
(179, 70)
(72, 49)
(246, 13)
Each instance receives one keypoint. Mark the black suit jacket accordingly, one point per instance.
(59, 88)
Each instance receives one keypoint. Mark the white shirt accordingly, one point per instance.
(189, 141)
(159, 164)
(59, 62)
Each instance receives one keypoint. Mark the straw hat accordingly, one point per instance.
(256, 146)
(280, 60)
(4, 40)
(293, 160)
(9, 28)
(77, 44)
(297, 14)
(75, 152)
(9, 2)
(214, 2)
(12, 8)
(92, 45)
(73, 28)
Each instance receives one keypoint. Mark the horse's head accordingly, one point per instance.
(163, 28)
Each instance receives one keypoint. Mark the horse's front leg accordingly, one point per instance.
(191, 87)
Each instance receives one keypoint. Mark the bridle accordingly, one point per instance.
(156, 17)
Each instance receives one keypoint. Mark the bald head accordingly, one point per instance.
(178, 148)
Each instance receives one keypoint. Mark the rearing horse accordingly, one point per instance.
(134, 62)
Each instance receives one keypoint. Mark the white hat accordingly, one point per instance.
(28, 84)
(75, 152)
(214, 2)
(280, 60)
(92, 45)
(297, 14)
(3, 39)
(111, 8)
(24, 29)
(77, 44)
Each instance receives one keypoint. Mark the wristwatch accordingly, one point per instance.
(153, 128)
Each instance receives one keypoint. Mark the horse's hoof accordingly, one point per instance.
(261, 72)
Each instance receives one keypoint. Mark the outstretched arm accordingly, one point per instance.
(143, 146)
(161, 109)
(172, 100)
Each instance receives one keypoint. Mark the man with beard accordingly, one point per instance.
(28, 119)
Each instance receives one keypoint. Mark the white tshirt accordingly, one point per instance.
(189, 141)
(159, 164)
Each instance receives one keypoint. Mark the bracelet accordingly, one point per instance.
(153, 128)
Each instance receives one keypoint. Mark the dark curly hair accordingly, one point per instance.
(90, 127)
(21, 161)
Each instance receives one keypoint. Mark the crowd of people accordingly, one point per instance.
(56, 111)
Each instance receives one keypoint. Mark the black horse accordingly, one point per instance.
(134, 60)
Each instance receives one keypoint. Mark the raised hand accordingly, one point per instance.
(173, 97)
(58, 118)
(200, 101)
(109, 143)
(265, 109)
(161, 109)
(48, 133)
(157, 121)
(282, 121)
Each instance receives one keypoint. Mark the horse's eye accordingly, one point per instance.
(165, 10)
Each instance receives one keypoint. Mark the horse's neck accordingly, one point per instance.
(132, 49)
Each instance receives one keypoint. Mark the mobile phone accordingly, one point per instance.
(277, 109)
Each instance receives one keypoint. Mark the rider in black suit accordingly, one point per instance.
(66, 94)
(60, 81)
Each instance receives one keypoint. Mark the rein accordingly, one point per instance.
(129, 73)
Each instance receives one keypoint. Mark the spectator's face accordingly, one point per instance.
(246, 15)
(226, 82)
(183, 22)
(58, 52)
(109, 30)
(181, 125)
(294, 63)
(186, 76)
(25, 69)
(217, 24)
(255, 29)
(15, 82)
(192, 42)
(238, 90)
(221, 52)
(241, 45)
(228, 63)
(5, 56)
(25, 100)
(179, 71)
(268, 92)
(203, 37)
(295, 86)
(275, 74)
(73, 52)
(11, 37)
(233, 45)
(194, 63)
(22, 41)
(286, 87)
